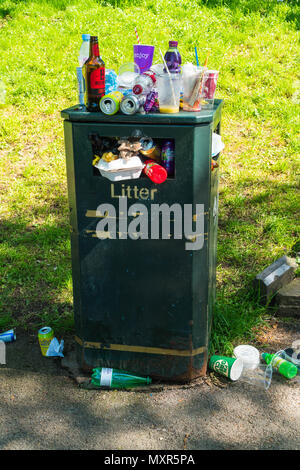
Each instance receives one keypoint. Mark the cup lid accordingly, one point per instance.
(246, 352)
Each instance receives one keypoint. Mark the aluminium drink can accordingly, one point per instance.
(45, 336)
(168, 156)
(150, 101)
(8, 336)
(110, 103)
(131, 104)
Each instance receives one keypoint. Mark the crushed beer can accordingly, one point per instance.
(8, 336)
(150, 103)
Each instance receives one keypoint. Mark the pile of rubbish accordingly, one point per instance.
(141, 87)
(247, 364)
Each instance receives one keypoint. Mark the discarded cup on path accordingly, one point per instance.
(261, 376)
(228, 366)
(8, 336)
(248, 354)
(143, 56)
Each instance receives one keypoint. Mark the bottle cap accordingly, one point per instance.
(85, 37)
(173, 43)
(137, 89)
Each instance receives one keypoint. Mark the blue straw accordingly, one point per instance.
(196, 54)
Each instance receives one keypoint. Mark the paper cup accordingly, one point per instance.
(143, 56)
(227, 366)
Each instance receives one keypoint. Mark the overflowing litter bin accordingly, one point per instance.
(143, 302)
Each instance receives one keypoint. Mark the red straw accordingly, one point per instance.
(137, 36)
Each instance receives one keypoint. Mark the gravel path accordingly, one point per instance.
(42, 408)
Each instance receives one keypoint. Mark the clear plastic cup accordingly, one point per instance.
(169, 88)
(127, 74)
(260, 377)
(192, 82)
(209, 88)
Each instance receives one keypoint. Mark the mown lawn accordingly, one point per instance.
(254, 45)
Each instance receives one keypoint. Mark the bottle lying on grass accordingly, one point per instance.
(115, 378)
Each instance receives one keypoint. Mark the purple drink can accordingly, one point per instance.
(168, 156)
(150, 101)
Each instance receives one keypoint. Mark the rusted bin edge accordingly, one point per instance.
(161, 364)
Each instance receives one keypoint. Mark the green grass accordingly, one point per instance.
(254, 45)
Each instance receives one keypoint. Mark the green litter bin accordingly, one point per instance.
(143, 304)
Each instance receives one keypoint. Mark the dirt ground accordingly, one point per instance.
(42, 407)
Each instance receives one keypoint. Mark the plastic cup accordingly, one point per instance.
(260, 377)
(192, 80)
(127, 74)
(157, 68)
(228, 366)
(143, 56)
(209, 88)
(168, 88)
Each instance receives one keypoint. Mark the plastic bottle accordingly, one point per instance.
(155, 172)
(285, 368)
(173, 58)
(144, 83)
(84, 50)
(114, 378)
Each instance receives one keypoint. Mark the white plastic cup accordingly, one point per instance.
(248, 354)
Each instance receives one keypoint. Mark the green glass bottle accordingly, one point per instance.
(285, 368)
(115, 378)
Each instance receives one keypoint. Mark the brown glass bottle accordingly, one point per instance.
(94, 73)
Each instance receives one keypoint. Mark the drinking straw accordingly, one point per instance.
(206, 60)
(137, 36)
(196, 54)
(171, 83)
